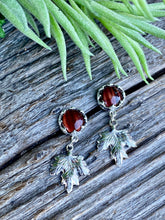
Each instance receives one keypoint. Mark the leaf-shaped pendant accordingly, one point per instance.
(71, 167)
(71, 121)
(110, 97)
(118, 141)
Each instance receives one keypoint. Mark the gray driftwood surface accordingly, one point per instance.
(32, 94)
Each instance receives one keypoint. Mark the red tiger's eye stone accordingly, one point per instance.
(73, 120)
(111, 95)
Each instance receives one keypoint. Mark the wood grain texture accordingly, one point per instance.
(32, 94)
(28, 191)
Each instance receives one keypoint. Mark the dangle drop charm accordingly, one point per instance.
(71, 121)
(110, 97)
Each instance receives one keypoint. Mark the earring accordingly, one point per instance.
(71, 121)
(110, 97)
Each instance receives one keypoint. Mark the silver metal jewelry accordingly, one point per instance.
(71, 121)
(110, 97)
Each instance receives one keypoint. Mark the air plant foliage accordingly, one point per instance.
(127, 21)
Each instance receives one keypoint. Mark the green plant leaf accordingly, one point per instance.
(145, 9)
(92, 29)
(84, 40)
(87, 12)
(2, 33)
(137, 6)
(141, 56)
(116, 6)
(156, 9)
(158, 13)
(149, 28)
(12, 10)
(127, 20)
(116, 69)
(66, 24)
(32, 22)
(39, 10)
(128, 5)
(111, 15)
(15, 14)
(59, 37)
(121, 37)
(2, 22)
(29, 33)
(135, 36)
(157, 6)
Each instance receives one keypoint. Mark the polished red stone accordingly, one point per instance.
(73, 120)
(111, 95)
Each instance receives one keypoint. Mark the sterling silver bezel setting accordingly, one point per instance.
(62, 127)
(102, 105)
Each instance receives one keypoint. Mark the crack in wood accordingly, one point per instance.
(140, 85)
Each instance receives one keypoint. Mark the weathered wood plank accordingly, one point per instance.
(137, 204)
(27, 190)
(122, 198)
(30, 88)
(129, 180)
(160, 214)
(32, 93)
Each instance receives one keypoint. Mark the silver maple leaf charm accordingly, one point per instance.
(71, 167)
(118, 141)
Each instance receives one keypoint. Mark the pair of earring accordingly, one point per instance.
(72, 121)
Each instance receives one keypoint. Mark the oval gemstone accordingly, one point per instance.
(111, 96)
(73, 120)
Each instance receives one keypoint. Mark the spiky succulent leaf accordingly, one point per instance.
(134, 35)
(141, 56)
(145, 9)
(115, 17)
(128, 5)
(77, 18)
(31, 21)
(147, 27)
(122, 38)
(39, 10)
(59, 37)
(93, 31)
(84, 39)
(13, 11)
